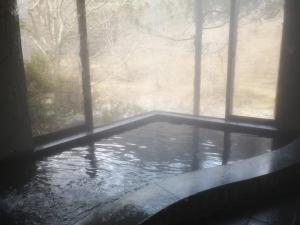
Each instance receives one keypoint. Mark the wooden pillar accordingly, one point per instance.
(288, 95)
(198, 56)
(233, 32)
(85, 63)
(15, 130)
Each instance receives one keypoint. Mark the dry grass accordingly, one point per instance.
(157, 74)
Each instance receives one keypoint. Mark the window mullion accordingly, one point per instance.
(84, 55)
(234, 16)
(198, 55)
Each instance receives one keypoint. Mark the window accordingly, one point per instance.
(257, 59)
(215, 30)
(141, 57)
(216, 58)
(50, 43)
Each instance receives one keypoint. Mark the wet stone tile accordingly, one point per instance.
(279, 213)
(256, 222)
(228, 220)
(132, 208)
(297, 213)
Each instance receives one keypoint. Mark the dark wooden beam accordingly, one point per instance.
(198, 56)
(85, 63)
(234, 17)
(287, 112)
(15, 131)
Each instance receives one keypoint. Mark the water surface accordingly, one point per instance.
(63, 188)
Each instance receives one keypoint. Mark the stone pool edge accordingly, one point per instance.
(132, 122)
(205, 188)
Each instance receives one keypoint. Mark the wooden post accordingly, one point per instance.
(85, 63)
(198, 55)
(234, 16)
(15, 131)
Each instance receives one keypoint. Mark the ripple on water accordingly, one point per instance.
(62, 188)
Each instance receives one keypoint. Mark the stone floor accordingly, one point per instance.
(283, 211)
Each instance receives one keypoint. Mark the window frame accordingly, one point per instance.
(88, 125)
(232, 48)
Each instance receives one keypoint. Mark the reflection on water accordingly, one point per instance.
(62, 188)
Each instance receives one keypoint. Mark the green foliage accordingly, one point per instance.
(37, 71)
(53, 99)
(38, 87)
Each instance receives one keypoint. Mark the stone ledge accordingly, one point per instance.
(200, 193)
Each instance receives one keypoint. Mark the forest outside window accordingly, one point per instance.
(142, 57)
(50, 43)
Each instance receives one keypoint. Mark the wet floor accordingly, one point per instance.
(65, 187)
(283, 210)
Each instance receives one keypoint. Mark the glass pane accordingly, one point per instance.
(257, 61)
(141, 55)
(50, 43)
(214, 57)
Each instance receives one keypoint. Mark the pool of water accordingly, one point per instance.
(65, 187)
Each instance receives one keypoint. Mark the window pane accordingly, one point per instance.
(214, 57)
(257, 61)
(50, 43)
(141, 55)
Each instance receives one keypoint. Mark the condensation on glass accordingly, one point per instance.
(258, 54)
(50, 43)
(215, 35)
(141, 57)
